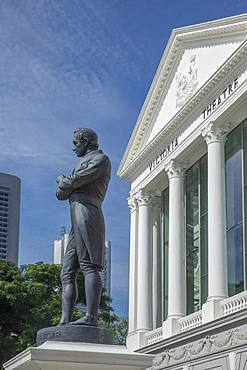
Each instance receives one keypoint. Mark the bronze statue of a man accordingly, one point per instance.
(85, 189)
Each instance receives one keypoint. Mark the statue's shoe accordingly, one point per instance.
(86, 320)
(62, 323)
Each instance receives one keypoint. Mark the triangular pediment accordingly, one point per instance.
(192, 56)
(191, 71)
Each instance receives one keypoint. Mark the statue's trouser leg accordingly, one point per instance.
(68, 277)
(93, 287)
(69, 297)
(87, 220)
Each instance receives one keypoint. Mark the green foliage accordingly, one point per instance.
(118, 325)
(109, 320)
(30, 299)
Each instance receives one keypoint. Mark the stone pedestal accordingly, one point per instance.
(75, 333)
(79, 356)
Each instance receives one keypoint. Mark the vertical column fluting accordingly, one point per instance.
(217, 245)
(132, 202)
(176, 253)
(157, 261)
(144, 293)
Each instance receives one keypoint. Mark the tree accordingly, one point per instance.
(118, 326)
(30, 299)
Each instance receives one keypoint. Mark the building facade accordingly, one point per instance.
(187, 164)
(59, 246)
(10, 187)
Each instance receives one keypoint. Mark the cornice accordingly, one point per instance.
(237, 24)
(152, 97)
(127, 168)
(218, 26)
(219, 31)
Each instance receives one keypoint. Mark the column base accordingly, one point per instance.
(211, 311)
(136, 340)
(171, 327)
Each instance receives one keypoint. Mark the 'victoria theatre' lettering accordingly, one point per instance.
(167, 150)
(217, 101)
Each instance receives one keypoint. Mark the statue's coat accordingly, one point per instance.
(86, 188)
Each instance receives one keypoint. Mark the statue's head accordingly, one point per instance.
(84, 140)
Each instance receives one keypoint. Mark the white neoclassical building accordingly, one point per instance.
(187, 164)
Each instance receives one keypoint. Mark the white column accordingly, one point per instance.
(176, 259)
(157, 261)
(144, 294)
(132, 202)
(217, 245)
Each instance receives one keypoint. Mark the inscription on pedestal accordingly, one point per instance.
(48, 335)
(77, 333)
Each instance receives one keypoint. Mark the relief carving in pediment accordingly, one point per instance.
(186, 84)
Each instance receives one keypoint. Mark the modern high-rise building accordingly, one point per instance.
(60, 246)
(105, 274)
(10, 187)
(60, 249)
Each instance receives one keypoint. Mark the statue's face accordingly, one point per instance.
(80, 147)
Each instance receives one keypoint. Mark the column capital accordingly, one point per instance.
(132, 203)
(143, 198)
(213, 133)
(175, 169)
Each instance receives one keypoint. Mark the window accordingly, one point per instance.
(196, 226)
(4, 207)
(196, 236)
(236, 207)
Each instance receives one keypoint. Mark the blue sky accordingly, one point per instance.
(75, 63)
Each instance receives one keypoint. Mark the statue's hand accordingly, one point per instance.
(64, 182)
(60, 178)
(62, 195)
